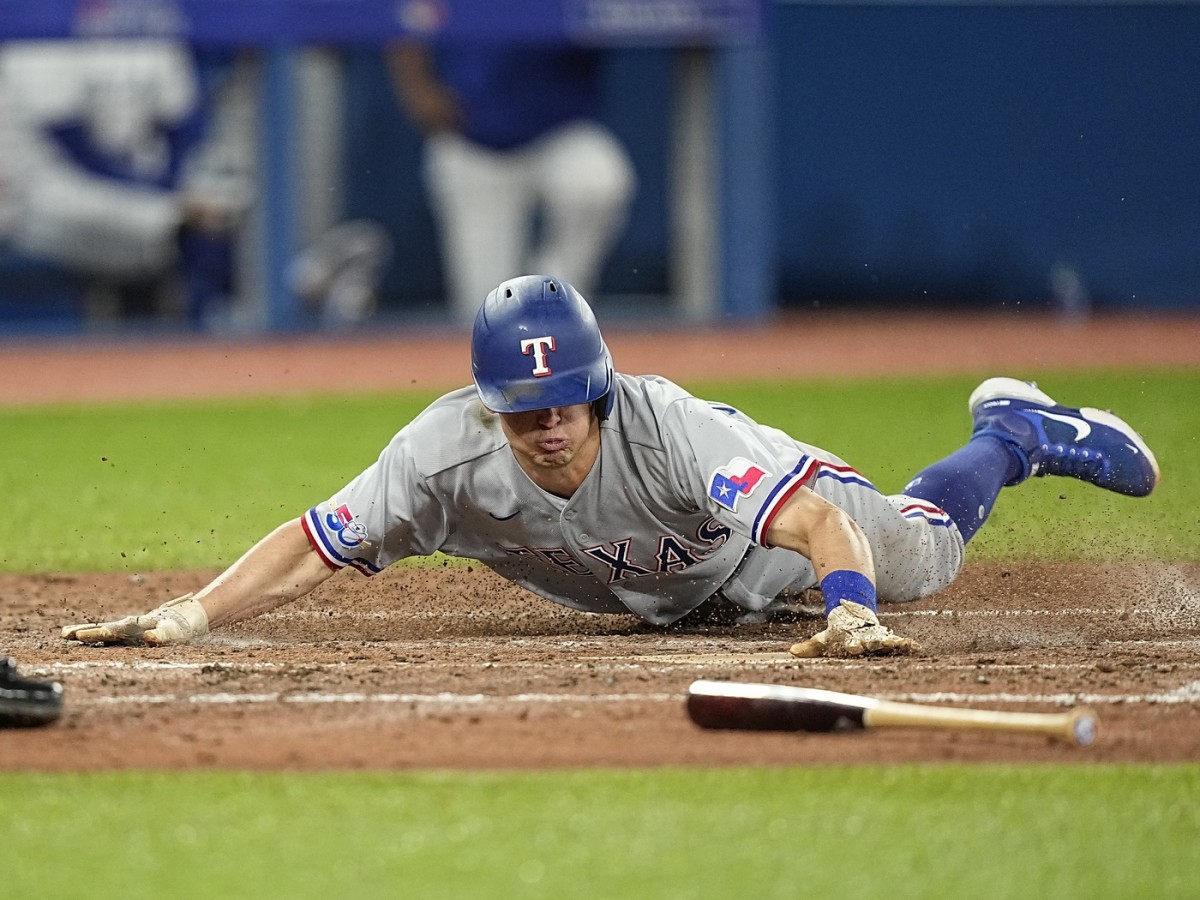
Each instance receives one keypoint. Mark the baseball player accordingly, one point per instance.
(615, 493)
(519, 167)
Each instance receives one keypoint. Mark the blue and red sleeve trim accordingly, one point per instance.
(325, 547)
(805, 474)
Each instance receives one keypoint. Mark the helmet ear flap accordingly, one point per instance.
(603, 406)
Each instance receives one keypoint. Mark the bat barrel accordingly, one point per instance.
(770, 714)
(772, 707)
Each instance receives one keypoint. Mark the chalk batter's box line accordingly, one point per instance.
(1187, 693)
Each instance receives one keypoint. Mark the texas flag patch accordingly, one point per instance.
(736, 480)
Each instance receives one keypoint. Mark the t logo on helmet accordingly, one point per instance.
(538, 346)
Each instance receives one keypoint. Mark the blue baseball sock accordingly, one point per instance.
(966, 483)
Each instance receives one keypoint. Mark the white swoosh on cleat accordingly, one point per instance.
(1081, 426)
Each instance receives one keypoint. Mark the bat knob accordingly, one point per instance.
(1083, 727)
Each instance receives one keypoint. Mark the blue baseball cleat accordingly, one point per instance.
(1089, 444)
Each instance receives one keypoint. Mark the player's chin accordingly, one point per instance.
(554, 459)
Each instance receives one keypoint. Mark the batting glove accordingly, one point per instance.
(176, 621)
(853, 630)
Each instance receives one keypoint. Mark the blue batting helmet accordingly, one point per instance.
(535, 345)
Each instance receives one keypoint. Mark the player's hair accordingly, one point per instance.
(535, 345)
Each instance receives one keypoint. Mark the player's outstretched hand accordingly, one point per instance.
(176, 621)
(853, 630)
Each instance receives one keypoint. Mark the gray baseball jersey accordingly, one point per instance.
(675, 509)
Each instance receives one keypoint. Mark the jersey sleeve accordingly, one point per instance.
(741, 472)
(383, 515)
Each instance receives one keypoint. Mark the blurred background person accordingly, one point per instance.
(520, 173)
(133, 165)
(127, 163)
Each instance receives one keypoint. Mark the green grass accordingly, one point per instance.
(947, 831)
(168, 486)
(143, 487)
(132, 488)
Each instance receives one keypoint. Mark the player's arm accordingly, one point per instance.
(278, 569)
(815, 528)
(841, 557)
(430, 104)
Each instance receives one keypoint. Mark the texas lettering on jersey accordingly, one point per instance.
(670, 555)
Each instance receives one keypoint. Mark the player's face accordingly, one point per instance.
(562, 439)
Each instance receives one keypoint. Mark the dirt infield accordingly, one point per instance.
(451, 668)
(794, 346)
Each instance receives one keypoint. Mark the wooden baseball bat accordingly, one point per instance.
(772, 707)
